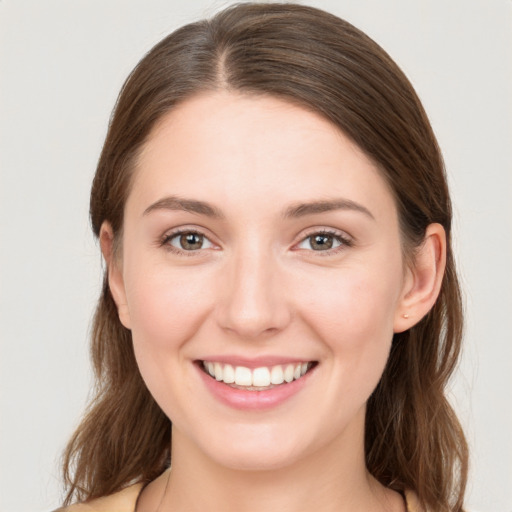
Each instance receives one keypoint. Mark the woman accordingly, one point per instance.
(280, 311)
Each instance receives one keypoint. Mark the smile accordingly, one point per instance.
(256, 379)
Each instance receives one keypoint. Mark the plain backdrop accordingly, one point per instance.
(62, 63)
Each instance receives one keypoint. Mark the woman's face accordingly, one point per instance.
(259, 243)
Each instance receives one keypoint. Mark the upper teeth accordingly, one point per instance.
(258, 377)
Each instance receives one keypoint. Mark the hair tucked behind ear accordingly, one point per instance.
(304, 55)
(123, 421)
(409, 423)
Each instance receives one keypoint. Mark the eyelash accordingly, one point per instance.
(343, 239)
(165, 242)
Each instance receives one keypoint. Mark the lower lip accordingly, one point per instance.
(253, 400)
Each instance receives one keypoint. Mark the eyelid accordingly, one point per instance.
(172, 233)
(345, 240)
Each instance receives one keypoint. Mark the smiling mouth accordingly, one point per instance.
(257, 379)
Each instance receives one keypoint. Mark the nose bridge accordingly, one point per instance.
(254, 301)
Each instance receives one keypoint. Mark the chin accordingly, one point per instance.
(259, 450)
(256, 460)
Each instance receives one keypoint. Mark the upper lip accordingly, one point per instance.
(255, 362)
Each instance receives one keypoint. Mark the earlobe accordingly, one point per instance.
(423, 280)
(115, 275)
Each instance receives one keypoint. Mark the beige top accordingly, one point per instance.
(124, 501)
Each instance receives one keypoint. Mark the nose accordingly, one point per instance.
(253, 302)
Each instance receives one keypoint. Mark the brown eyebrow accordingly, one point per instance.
(187, 205)
(302, 209)
(293, 211)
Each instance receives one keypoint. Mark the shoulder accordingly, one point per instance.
(122, 501)
(413, 504)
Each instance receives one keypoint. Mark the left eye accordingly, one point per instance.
(321, 242)
(189, 241)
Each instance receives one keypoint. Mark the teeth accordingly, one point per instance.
(259, 377)
(229, 374)
(277, 375)
(288, 373)
(243, 376)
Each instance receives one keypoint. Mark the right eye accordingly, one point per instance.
(321, 242)
(188, 241)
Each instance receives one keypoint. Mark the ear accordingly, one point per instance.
(423, 279)
(115, 273)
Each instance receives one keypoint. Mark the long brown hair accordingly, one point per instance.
(301, 54)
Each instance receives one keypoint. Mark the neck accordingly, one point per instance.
(333, 478)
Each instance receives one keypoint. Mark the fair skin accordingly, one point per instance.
(296, 258)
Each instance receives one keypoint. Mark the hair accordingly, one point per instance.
(300, 54)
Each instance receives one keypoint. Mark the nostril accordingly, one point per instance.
(252, 302)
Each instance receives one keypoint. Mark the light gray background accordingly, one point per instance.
(61, 66)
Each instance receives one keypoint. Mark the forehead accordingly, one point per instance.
(247, 147)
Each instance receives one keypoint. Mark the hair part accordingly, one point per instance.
(413, 439)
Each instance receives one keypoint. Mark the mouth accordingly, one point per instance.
(256, 379)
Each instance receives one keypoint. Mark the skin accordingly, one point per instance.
(257, 286)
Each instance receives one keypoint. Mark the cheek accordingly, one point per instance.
(353, 306)
(353, 315)
(165, 306)
(166, 309)
(354, 321)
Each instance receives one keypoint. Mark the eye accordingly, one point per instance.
(323, 241)
(188, 241)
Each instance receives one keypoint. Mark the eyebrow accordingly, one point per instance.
(303, 209)
(294, 211)
(187, 205)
